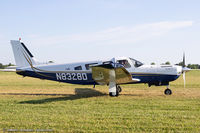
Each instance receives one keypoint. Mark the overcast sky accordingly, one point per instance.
(80, 30)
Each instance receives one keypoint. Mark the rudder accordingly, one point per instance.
(23, 56)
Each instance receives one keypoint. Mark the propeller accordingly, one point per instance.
(184, 69)
(183, 66)
(184, 78)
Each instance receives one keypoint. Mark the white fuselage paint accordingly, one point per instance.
(68, 72)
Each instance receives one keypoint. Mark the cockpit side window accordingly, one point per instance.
(125, 63)
(136, 63)
(78, 68)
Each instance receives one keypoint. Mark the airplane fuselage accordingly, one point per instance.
(151, 74)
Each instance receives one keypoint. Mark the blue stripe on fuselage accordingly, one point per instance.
(64, 76)
(72, 78)
(148, 78)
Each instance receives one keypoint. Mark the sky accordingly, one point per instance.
(83, 30)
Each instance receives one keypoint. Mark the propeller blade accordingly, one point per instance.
(184, 78)
(184, 69)
(183, 60)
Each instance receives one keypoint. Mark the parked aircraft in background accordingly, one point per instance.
(114, 72)
(9, 69)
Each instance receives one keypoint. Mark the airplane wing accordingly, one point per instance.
(102, 74)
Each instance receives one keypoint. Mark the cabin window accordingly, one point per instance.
(136, 63)
(125, 63)
(78, 68)
(87, 66)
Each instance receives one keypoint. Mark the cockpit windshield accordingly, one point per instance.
(136, 63)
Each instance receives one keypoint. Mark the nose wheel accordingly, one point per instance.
(168, 91)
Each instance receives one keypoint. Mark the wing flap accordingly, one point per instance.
(102, 74)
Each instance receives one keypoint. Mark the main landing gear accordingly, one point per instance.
(168, 91)
(116, 93)
(119, 89)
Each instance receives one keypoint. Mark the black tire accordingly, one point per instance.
(112, 95)
(119, 89)
(168, 92)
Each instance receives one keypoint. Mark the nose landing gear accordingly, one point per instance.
(168, 91)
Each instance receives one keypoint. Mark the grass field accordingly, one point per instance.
(28, 103)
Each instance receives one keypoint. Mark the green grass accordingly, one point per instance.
(28, 103)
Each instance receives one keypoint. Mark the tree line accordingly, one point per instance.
(191, 66)
(4, 66)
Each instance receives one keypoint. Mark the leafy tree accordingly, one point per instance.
(10, 64)
(1, 66)
(153, 63)
(193, 66)
(4, 66)
(167, 63)
(50, 61)
(180, 63)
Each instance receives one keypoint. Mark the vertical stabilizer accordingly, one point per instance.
(23, 56)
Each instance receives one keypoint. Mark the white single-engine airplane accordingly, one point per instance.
(112, 72)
